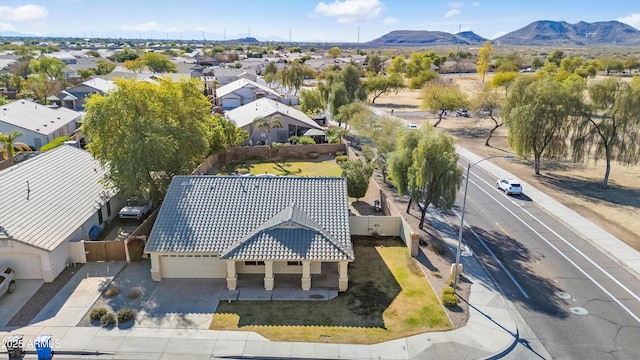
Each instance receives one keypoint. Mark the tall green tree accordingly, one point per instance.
(147, 133)
(311, 102)
(270, 73)
(378, 85)
(358, 173)
(374, 64)
(609, 127)
(292, 76)
(226, 135)
(334, 52)
(158, 63)
(357, 115)
(430, 166)
(484, 59)
(398, 65)
(104, 67)
(537, 112)
(438, 96)
(136, 65)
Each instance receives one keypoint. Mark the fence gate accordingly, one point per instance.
(112, 250)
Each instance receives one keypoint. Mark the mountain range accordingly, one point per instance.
(538, 33)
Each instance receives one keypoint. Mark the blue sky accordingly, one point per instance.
(299, 20)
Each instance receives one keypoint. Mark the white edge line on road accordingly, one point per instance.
(565, 256)
(524, 293)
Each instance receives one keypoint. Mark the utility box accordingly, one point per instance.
(14, 347)
(43, 347)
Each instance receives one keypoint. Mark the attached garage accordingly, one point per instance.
(231, 103)
(192, 266)
(27, 266)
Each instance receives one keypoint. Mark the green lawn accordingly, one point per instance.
(388, 298)
(286, 168)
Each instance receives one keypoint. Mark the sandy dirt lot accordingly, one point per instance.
(577, 186)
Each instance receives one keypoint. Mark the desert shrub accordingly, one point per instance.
(133, 294)
(438, 248)
(54, 143)
(126, 315)
(450, 282)
(108, 319)
(306, 140)
(449, 300)
(135, 247)
(341, 158)
(312, 155)
(340, 153)
(294, 139)
(111, 291)
(437, 274)
(97, 313)
(448, 290)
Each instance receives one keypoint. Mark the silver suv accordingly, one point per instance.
(7, 280)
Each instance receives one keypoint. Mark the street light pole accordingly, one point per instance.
(464, 204)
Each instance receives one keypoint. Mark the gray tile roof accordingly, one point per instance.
(44, 200)
(255, 217)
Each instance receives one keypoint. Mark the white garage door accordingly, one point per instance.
(192, 266)
(27, 266)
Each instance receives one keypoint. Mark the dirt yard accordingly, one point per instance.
(577, 186)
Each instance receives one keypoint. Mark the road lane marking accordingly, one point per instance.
(634, 316)
(504, 231)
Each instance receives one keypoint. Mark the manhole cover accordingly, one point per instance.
(563, 295)
(316, 296)
(577, 310)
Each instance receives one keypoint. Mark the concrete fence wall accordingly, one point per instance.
(382, 225)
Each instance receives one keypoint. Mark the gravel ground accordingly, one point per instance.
(47, 291)
(135, 286)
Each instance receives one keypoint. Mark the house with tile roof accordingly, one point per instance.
(237, 227)
(47, 202)
(38, 124)
(75, 97)
(242, 92)
(294, 122)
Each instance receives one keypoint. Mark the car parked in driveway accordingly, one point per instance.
(509, 186)
(135, 209)
(7, 280)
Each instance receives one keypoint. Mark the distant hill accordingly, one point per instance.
(424, 37)
(557, 33)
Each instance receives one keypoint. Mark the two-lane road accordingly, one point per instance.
(579, 302)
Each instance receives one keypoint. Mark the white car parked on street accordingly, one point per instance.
(509, 186)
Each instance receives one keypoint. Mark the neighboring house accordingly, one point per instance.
(294, 122)
(242, 92)
(226, 76)
(65, 57)
(38, 124)
(46, 202)
(226, 227)
(75, 97)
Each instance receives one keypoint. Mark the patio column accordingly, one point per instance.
(268, 275)
(306, 275)
(343, 281)
(232, 277)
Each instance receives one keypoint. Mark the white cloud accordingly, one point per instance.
(456, 4)
(632, 19)
(498, 34)
(475, 4)
(6, 27)
(390, 20)
(23, 13)
(451, 13)
(148, 26)
(350, 11)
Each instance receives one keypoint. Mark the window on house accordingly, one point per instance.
(100, 219)
(109, 208)
(294, 263)
(254, 263)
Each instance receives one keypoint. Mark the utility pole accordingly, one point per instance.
(458, 49)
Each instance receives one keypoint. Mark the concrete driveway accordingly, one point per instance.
(10, 304)
(181, 303)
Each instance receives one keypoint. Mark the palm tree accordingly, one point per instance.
(7, 142)
(268, 123)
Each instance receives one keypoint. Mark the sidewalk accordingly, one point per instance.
(494, 329)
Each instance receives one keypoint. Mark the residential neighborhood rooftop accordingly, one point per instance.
(38, 118)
